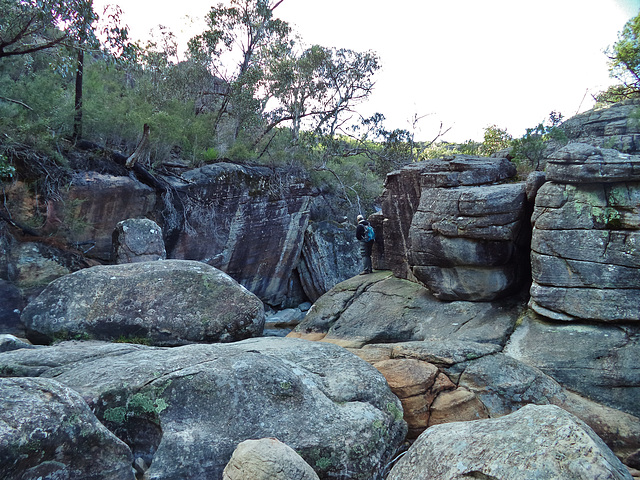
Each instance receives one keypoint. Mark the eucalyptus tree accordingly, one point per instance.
(234, 47)
(29, 26)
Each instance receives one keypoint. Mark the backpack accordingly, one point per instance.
(369, 234)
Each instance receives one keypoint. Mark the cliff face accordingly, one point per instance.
(453, 225)
(250, 222)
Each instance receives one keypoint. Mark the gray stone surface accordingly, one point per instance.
(330, 254)
(380, 308)
(138, 240)
(596, 361)
(533, 443)
(583, 163)
(47, 431)
(185, 409)
(169, 302)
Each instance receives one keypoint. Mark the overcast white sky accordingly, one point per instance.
(467, 63)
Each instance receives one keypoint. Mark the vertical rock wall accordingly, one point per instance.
(586, 237)
(451, 225)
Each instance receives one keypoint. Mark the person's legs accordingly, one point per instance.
(366, 256)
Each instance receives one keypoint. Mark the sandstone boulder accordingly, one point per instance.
(184, 410)
(169, 302)
(455, 229)
(10, 342)
(585, 242)
(379, 308)
(137, 240)
(534, 442)
(48, 431)
(267, 459)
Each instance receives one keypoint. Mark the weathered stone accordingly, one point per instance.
(408, 377)
(583, 163)
(185, 409)
(443, 352)
(35, 265)
(595, 360)
(10, 342)
(404, 188)
(474, 284)
(600, 206)
(597, 304)
(534, 442)
(247, 221)
(170, 302)
(48, 431)
(378, 308)
(138, 240)
(611, 125)
(329, 256)
(605, 247)
(95, 203)
(504, 384)
(459, 405)
(267, 459)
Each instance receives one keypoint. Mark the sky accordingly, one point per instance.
(465, 64)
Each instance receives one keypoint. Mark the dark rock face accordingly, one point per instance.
(246, 221)
(456, 231)
(48, 431)
(329, 256)
(597, 361)
(170, 302)
(137, 240)
(586, 237)
(185, 409)
(95, 204)
(534, 442)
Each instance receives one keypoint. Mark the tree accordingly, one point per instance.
(234, 46)
(624, 63)
(29, 26)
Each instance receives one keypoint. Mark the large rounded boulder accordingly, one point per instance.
(48, 431)
(168, 303)
(184, 410)
(533, 443)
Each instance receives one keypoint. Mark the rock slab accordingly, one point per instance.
(170, 302)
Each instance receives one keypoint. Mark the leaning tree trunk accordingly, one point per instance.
(77, 118)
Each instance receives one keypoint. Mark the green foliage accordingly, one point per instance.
(7, 171)
(528, 151)
(495, 139)
(624, 63)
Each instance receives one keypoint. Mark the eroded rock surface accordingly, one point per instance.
(379, 308)
(48, 431)
(456, 229)
(267, 459)
(170, 302)
(185, 409)
(534, 442)
(586, 237)
(137, 240)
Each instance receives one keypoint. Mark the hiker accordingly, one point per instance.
(366, 236)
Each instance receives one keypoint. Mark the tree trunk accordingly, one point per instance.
(77, 118)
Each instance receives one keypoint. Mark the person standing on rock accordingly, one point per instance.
(366, 236)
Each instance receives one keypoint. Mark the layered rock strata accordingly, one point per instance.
(586, 237)
(455, 228)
